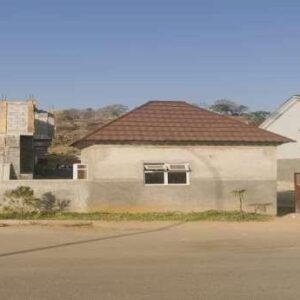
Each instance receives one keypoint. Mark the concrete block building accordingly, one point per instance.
(170, 155)
(286, 121)
(25, 134)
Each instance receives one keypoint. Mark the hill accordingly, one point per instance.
(71, 124)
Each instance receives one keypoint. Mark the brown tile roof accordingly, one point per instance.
(176, 122)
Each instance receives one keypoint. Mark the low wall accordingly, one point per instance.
(200, 195)
(75, 191)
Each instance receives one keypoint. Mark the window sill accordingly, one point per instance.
(178, 184)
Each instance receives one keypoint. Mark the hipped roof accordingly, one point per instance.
(177, 122)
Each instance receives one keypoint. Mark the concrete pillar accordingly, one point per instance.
(3, 117)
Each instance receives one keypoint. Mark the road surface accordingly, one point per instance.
(127, 260)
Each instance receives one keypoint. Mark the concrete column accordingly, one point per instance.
(3, 117)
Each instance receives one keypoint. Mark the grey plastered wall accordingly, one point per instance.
(116, 177)
(134, 196)
(198, 196)
(287, 168)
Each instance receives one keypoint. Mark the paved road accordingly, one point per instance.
(190, 261)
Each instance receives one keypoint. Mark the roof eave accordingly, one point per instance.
(84, 144)
(280, 111)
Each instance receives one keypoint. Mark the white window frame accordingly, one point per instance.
(166, 169)
(77, 167)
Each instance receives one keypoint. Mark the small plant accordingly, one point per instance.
(240, 194)
(50, 204)
(47, 202)
(62, 205)
(20, 200)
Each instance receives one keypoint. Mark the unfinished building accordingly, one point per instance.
(25, 135)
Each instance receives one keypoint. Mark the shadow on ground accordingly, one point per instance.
(111, 237)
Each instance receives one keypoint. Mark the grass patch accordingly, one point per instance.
(234, 216)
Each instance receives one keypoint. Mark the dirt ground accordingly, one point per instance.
(153, 260)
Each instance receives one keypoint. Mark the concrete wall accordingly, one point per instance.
(16, 119)
(116, 179)
(21, 118)
(286, 170)
(10, 153)
(75, 191)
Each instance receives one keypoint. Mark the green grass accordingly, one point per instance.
(146, 216)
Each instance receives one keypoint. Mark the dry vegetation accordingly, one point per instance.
(72, 124)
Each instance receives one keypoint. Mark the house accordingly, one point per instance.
(25, 135)
(171, 155)
(286, 121)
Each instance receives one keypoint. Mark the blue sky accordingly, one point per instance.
(84, 53)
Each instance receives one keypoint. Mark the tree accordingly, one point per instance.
(111, 111)
(228, 107)
(71, 114)
(258, 116)
(89, 113)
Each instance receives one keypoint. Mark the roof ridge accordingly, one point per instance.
(169, 101)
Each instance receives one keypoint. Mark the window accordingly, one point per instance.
(154, 173)
(154, 177)
(80, 171)
(164, 174)
(177, 178)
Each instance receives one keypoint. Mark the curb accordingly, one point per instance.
(65, 223)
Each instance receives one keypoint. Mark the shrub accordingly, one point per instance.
(62, 205)
(49, 203)
(20, 200)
